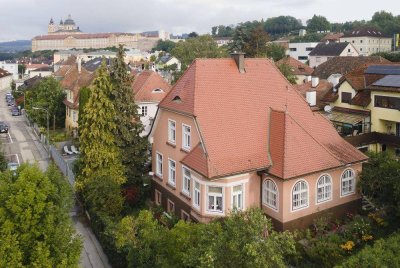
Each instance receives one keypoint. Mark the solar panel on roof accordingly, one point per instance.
(383, 69)
(388, 81)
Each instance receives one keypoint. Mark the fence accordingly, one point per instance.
(62, 164)
(57, 157)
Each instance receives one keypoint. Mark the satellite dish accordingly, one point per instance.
(328, 109)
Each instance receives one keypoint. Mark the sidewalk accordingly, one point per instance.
(92, 253)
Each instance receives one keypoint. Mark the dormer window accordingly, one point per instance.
(158, 90)
(177, 99)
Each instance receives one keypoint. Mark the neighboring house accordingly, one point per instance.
(222, 41)
(29, 83)
(234, 134)
(365, 107)
(300, 51)
(336, 67)
(10, 67)
(5, 79)
(73, 78)
(43, 72)
(149, 89)
(299, 69)
(314, 91)
(169, 60)
(368, 41)
(332, 37)
(326, 51)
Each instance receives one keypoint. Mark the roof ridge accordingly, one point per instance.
(306, 131)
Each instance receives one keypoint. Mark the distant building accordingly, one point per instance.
(332, 37)
(149, 89)
(64, 27)
(42, 72)
(300, 51)
(11, 67)
(368, 41)
(5, 79)
(365, 107)
(169, 60)
(221, 41)
(67, 35)
(326, 51)
(299, 69)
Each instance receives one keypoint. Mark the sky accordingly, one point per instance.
(24, 19)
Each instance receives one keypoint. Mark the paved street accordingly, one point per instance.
(21, 145)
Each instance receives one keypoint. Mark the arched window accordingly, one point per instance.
(324, 188)
(300, 195)
(348, 182)
(270, 194)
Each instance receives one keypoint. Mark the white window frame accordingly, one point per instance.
(171, 131)
(159, 165)
(158, 195)
(169, 202)
(171, 172)
(215, 195)
(186, 137)
(268, 195)
(300, 192)
(326, 188)
(185, 178)
(196, 194)
(346, 179)
(237, 193)
(186, 214)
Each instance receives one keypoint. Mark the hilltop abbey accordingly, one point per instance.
(64, 27)
(66, 35)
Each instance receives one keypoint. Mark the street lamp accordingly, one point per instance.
(48, 129)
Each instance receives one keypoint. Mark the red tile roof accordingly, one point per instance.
(236, 114)
(74, 81)
(144, 85)
(4, 73)
(298, 67)
(322, 89)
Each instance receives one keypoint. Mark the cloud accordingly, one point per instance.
(24, 19)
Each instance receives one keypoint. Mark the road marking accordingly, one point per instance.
(10, 137)
(17, 159)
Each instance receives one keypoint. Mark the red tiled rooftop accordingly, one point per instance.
(236, 120)
(298, 67)
(145, 84)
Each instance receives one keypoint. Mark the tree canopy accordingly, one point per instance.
(47, 94)
(380, 180)
(100, 158)
(282, 25)
(162, 45)
(132, 146)
(318, 23)
(35, 227)
(243, 239)
(202, 46)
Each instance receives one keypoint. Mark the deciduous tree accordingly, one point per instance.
(35, 227)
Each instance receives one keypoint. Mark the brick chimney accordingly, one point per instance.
(239, 59)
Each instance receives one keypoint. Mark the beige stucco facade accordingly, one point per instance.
(285, 212)
(5, 82)
(251, 182)
(366, 45)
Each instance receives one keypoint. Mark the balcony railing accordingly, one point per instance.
(373, 137)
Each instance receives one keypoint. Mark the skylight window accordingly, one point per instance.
(158, 90)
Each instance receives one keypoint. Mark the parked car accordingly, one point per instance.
(3, 127)
(15, 111)
(12, 166)
(8, 95)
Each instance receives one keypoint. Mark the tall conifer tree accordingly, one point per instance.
(127, 133)
(100, 156)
